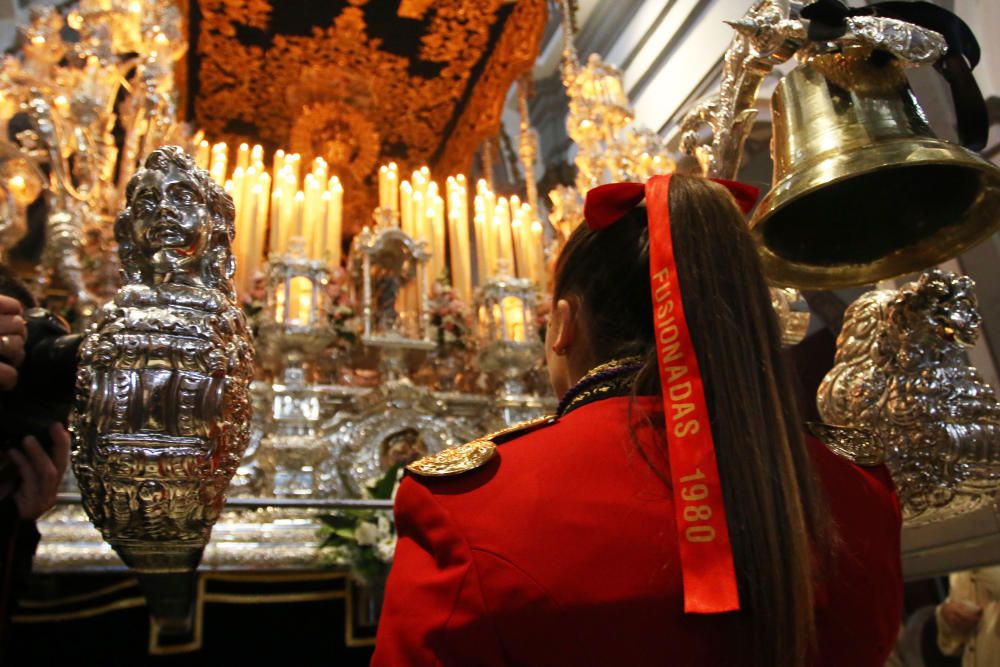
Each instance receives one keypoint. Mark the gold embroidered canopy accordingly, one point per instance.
(360, 82)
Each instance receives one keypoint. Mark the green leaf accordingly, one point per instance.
(334, 540)
(382, 489)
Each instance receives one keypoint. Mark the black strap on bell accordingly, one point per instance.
(828, 21)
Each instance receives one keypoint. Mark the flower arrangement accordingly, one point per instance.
(342, 315)
(364, 539)
(254, 301)
(451, 319)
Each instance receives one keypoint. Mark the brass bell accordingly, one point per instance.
(863, 189)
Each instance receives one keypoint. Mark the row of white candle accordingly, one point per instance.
(310, 209)
(507, 236)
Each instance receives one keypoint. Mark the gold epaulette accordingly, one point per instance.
(858, 446)
(463, 458)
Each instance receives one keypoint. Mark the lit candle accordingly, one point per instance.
(406, 206)
(489, 210)
(439, 237)
(250, 234)
(419, 184)
(259, 216)
(431, 198)
(299, 225)
(276, 232)
(513, 317)
(417, 217)
(383, 187)
(517, 228)
(243, 156)
(218, 163)
(287, 207)
(501, 227)
(482, 263)
(335, 221)
(309, 217)
(237, 181)
(458, 227)
(392, 186)
(323, 228)
(294, 162)
(300, 301)
(483, 222)
(235, 189)
(278, 163)
(203, 155)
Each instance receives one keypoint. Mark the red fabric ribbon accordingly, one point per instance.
(707, 568)
(607, 204)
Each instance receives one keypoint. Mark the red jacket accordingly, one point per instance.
(562, 551)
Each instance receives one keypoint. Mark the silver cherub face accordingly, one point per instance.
(171, 223)
(177, 226)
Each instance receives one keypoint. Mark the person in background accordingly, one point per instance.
(31, 490)
(968, 620)
(673, 512)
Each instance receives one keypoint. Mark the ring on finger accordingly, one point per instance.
(4, 343)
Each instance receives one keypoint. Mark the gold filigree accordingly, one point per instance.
(413, 9)
(454, 460)
(341, 64)
(340, 134)
(475, 454)
(517, 49)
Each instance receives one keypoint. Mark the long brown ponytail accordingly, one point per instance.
(776, 512)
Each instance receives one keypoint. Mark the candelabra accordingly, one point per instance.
(391, 270)
(509, 339)
(601, 122)
(61, 101)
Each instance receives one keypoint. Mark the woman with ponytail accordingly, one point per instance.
(672, 512)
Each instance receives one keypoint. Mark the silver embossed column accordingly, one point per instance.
(163, 409)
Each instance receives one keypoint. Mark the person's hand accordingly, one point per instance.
(12, 335)
(40, 474)
(962, 617)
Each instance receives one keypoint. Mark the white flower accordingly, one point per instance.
(385, 548)
(366, 533)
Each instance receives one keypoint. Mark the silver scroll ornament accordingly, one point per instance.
(163, 401)
(901, 372)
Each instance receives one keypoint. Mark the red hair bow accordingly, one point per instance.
(607, 204)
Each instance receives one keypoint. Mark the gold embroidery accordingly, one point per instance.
(454, 460)
(471, 455)
(618, 384)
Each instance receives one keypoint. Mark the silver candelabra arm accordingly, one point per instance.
(766, 36)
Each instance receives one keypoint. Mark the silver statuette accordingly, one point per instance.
(163, 402)
(901, 373)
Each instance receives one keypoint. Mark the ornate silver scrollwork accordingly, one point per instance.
(902, 373)
(163, 403)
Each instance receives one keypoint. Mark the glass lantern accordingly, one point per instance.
(392, 278)
(510, 342)
(295, 326)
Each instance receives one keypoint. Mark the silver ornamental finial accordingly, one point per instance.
(163, 410)
(901, 372)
